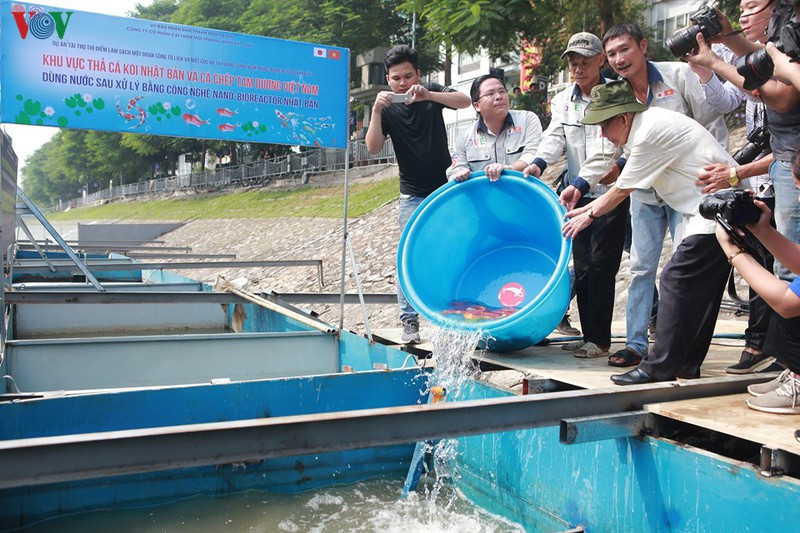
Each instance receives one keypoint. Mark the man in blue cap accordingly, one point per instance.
(667, 152)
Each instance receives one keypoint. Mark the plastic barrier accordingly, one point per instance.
(489, 256)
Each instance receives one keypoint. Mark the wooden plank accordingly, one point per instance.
(554, 363)
(731, 416)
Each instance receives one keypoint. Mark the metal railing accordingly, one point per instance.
(289, 167)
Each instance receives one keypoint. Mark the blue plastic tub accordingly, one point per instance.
(488, 256)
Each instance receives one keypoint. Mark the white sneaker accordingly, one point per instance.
(763, 388)
(783, 401)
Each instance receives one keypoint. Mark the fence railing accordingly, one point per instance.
(289, 167)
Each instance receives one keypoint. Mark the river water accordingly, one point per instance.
(369, 506)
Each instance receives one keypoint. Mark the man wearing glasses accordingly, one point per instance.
(500, 139)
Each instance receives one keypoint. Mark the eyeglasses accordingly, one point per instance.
(493, 94)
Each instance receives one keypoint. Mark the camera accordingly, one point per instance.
(757, 142)
(756, 67)
(734, 206)
(684, 40)
(401, 98)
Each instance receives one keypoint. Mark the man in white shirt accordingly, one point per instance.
(597, 251)
(667, 152)
(669, 85)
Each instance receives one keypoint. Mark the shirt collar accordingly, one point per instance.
(576, 91)
(509, 122)
(653, 76)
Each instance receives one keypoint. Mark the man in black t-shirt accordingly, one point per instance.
(411, 114)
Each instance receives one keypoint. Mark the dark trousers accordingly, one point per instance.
(692, 284)
(596, 253)
(760, 313)
(783, 340)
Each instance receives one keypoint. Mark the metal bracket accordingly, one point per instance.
(776, 462)
(64, 246)
(42, 253)
(540, 385)
(605, 427)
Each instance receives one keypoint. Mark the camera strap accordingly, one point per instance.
(735, 295)
(750, 245)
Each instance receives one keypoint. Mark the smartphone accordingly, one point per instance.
(401, 98)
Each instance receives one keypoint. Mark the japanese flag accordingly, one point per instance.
(320, 52)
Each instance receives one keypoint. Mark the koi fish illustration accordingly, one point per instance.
(285, 125)
(194, 120)
(316, 142)
(296, 138)
(227, 127)
(132, 102)
(142, 117)
(281, 116)
(127, 116)
(225, 112)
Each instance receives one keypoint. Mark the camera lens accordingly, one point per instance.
(747, 153)
(756, 68)
(683, 40)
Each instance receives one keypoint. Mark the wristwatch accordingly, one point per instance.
(733, 177)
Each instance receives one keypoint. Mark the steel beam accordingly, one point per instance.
(110, 247)
(121, 264)
(330, 297)
(82, 456)
(605, 427)
(154, 255)
(120, 297)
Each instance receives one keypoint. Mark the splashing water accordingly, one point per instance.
(453, 352)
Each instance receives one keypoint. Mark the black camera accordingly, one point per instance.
(734, 206)
(756, 67)
(757, 142)
(684, 40)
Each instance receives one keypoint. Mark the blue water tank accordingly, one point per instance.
(489, 256)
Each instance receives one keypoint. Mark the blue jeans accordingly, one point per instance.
(649, 224)
(787, 210)
(408, 204)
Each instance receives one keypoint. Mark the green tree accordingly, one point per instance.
(161, 10)
(500, 27)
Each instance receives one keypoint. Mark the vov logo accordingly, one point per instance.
(39, 23)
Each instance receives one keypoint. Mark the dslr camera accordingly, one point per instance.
(684, 40)
(757, 142)
(756, 67)
(734, 206)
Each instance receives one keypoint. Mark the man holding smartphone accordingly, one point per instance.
(418, 133)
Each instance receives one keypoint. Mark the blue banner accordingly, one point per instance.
(73, 69)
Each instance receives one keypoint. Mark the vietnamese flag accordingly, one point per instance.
(334, 54)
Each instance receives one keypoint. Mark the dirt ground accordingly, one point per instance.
(374, 239)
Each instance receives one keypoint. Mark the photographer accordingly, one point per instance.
(782, 115)
(416, 127)
(667, 151)
(753, 162)
(781, 395)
